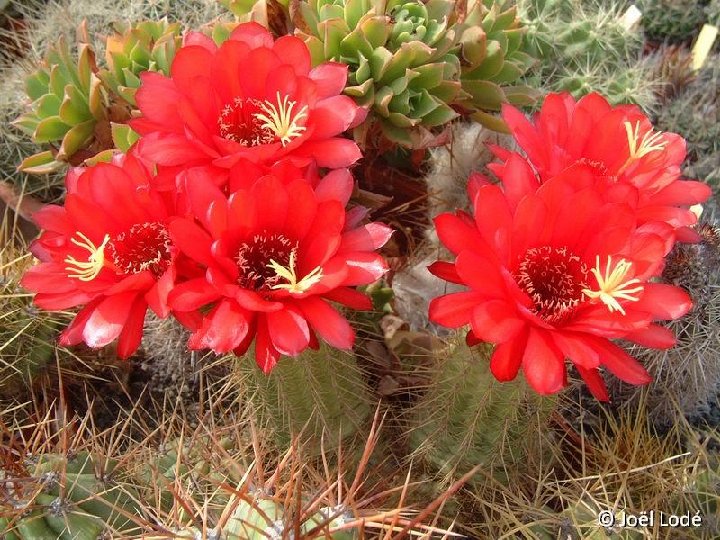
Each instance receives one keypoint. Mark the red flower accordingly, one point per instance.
(556, 273)
(109, 249)
(250, 100)
(275, 254)
(619, 144)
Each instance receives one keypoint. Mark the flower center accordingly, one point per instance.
(144, 246)
(612, 285)
(554, 278)
(268, 259)
(252, 122)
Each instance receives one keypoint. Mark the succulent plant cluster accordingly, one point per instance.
(415, 64)
(80, 109)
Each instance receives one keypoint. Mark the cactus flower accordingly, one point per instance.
(252, 100)
(275, 254)
(622, 148)
(556, 273)
(108, 249)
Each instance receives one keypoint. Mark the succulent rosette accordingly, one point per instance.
(66, 106)
(251, 100)
(556, 272)
(108, 248)
(276, 254)
(619, 144)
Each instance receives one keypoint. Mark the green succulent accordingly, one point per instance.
(413, 63)
(494, 55)
(144, 46)
(67, 102)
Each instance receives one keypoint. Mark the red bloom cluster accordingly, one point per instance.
(219, 215)
(560, 259)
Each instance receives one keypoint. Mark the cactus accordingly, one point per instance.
(672, 21)
(688, 375)
(320, 393)
(693, 114)
(467, 417)
(67, 104)
(586, 46)
(410, 61)
(77, 500)
(26, 334)
(144, 46)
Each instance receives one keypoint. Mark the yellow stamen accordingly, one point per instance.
(87, 270)
(652, 141)
(612, 285)
(294, 286)
(280, 120)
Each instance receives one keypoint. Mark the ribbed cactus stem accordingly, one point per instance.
(319, 393)
(466, 417)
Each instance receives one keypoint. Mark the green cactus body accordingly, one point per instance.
(133, 49)
(585, 47)
(67, 103)
(467, 417)
(27, 336)
(317, 392)
(75, 504)
(672, 21)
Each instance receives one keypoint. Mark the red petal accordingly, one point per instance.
(363, 268)
(366, 238)
(454, 310)
(131, 335)
(332, 153)
(108, 319)
(331, 116)
(664, 302)
(192, 295)
(72, 335)
(191, 240)
(457, 232)
(543, 363)
(171, 149)
(507, 357)
(293, 52)
(327, 322)
(330, 78)
(337, 185)
(654, 336)
(157, 297)
(445, 270)
(156, 99)
(253, 34)
(578, 349)
(621, 364)
(496, 321)
(349, 297)
(289, 331)
(266, 355)
(595, 383)
(224, 328)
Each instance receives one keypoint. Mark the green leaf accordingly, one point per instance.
(48, 105)
(490, 121)
(74, 108)
(485, 94)
(440, 116)
(40, 163)
(78, 137)
(492, 63)
(123, 136)
(36, 84)
(50, 129)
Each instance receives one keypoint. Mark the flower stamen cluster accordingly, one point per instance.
(280, 120)
(612, 285)
(87, 270)
(288, 273)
